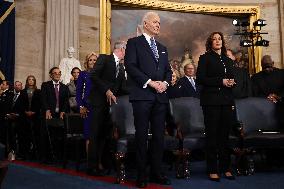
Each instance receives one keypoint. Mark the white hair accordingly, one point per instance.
(147, 15)
(119, 45)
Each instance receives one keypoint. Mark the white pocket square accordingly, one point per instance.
(163, 52)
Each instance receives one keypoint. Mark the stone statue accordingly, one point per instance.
(67, 64)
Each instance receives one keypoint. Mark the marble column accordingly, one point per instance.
(281, 16)
(62, 21)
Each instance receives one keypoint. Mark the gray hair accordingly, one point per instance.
(147, 15)
(119, 45)
(188, 65)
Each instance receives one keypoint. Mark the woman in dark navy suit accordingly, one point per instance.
(84, 86)
(215, 75)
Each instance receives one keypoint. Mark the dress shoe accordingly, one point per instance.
(160, 179)
(95, 172)
(140, 183)
(230, 176)
(215, 179)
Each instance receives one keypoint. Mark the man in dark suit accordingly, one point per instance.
(14, 106)
(54, 101)
(269, 82)
(105, 77)
(4, 101)
(146, 62)
(187, 84)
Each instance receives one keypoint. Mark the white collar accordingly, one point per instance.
(189, 77)
(116, 59)
(17, 93)
(148, 38)
(54, 83)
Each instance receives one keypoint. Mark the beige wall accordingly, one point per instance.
(88, 27)
(30, 32)
(30, 35)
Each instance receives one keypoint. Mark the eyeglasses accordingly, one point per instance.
(54, 73)
(92, 59)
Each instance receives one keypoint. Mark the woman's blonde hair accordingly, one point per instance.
(87, 59)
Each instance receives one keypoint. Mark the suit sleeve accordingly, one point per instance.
(79, 89)
(44, 103)
(201, 74)
(96, 74)
(132, 64)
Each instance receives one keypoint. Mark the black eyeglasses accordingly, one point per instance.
(54, 73)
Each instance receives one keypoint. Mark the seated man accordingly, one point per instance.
(54, 99)
(269, 82)
(186, 84)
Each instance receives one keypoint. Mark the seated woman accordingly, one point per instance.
(84, 86)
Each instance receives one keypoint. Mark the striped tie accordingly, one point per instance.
(154, 48)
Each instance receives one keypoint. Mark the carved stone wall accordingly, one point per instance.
(30, 37)
(88, 28)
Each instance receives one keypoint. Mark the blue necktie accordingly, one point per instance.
(154, 48)
(191, 80)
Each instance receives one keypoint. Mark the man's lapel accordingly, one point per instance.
(160, 51)
(147, 46)
(52, 89)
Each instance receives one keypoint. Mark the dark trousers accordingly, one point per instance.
(99, 131)
(32, 135)
(52, 134)
(218, 121)
(146, 112)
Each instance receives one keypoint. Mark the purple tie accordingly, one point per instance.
(57, 94)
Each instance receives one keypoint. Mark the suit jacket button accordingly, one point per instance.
(219, 88)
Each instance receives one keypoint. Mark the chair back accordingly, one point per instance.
(256, 114)
(122, 116)
(188, 114)
(74, 124)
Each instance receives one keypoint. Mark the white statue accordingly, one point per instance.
(67, 64)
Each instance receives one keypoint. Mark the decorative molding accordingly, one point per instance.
(190, 7)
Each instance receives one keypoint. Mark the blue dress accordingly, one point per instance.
(84, 86)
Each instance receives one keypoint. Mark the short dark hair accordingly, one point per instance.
(7, 82)
(209, 40)
(75, 68)
(51, 70)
